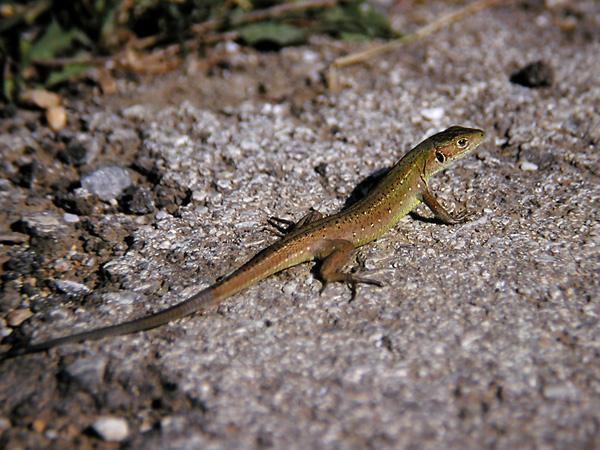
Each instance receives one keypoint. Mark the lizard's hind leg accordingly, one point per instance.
(338, 253)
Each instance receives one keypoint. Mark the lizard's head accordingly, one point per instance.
(450, 145)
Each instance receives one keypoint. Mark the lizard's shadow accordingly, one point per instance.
(362, 189)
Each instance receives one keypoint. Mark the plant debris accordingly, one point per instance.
(48, 43)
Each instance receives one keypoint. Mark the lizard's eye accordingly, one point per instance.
(440, 157)
(462, 142)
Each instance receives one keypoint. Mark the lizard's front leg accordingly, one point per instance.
(442, 213)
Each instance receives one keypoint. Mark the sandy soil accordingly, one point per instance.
(485, 335)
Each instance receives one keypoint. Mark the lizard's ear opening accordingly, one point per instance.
(440, 157)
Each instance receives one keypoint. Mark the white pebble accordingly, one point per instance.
(528, 166)
(161, 215)
(563, 392)
(231, 47)
(112, 429)
(71, 287)
(165, 245)
(290, 288)
(70, 218)
(135, 112)
(433, 114)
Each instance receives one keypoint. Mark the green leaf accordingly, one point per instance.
(375, 23)
(353, 37)
(108, 34)
(67, 73)
(356, 18)
(53, 41)
(278, 34)
(9, 84)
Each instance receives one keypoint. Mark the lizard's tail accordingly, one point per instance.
(202, 300)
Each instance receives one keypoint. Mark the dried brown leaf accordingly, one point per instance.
(41, 98)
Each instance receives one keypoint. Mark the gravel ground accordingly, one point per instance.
(485, 335)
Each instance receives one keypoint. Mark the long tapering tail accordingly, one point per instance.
(202, 300)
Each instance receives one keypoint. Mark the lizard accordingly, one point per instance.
(331, 239)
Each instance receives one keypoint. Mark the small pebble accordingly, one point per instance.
(71, 287)
(42, 224)
(161, 215)
(51, 434)
(70, 218)
(566, 391)
(18, 316)
(4, 423)
(433, 114)
(39, 425)
(231, 47)
(82, 149)
(5, 330)
(290, 288)
(87, 371)
(5, 185)
(56, 117)
(528, 166)
(28, 174)
(138, 200)
(62, 265)
(165, 244)
(534, 75)
(112, 429)
(135, 112)
(107, 183)
(76, 154)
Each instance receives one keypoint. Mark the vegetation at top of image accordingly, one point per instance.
(45, 43)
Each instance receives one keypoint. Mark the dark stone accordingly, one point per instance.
(145, 163)
(534, 75)
(28, 173)
(78, 202)
(137, 200)
(321, 169)
(171, 198)
(75, 154)
(24, 263)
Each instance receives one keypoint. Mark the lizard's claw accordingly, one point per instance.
(323, 287)
(281, 226)
(463, 215)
